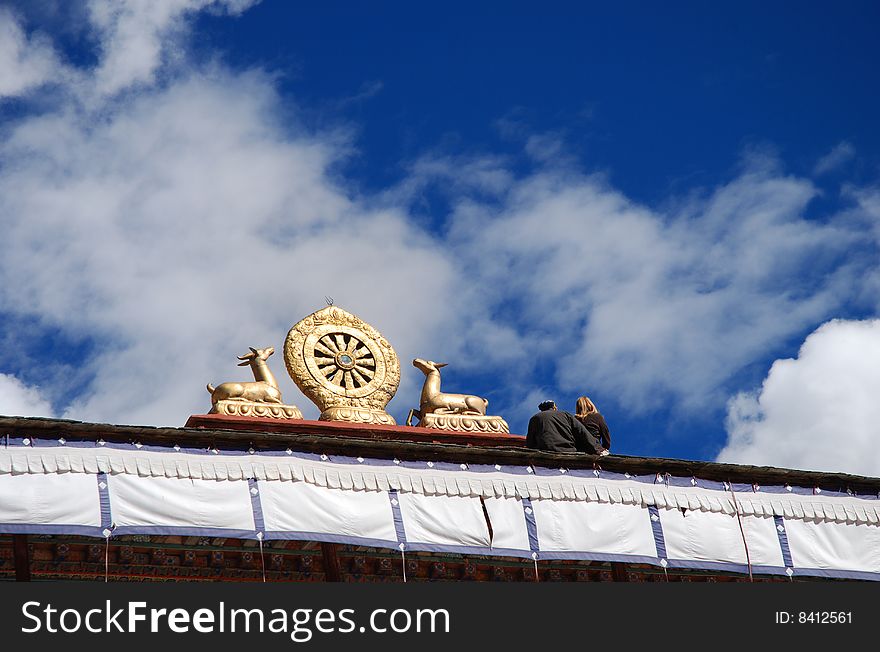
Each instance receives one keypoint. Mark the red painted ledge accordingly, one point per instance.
(358, 430)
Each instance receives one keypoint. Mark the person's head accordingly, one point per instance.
(585, 406)
(546, 405)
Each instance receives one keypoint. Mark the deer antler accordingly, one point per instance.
(247, 357)
(262, 354)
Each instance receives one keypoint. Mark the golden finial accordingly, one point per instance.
(343, 365)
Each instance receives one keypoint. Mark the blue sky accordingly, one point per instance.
(672, 208)
(663, 97)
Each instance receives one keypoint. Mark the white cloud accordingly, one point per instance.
(26, 62)
(841, 153)
(18, 399)
(136, 36)
(135, 40)
(818, 411)
(656, 306)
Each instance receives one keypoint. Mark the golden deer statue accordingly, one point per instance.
(443, 411)
(264, 389)
(433, 400)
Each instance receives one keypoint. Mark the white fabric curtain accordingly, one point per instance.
(299, 507)
(567, 526)
(56, 499)
(179, 502)
(834, 546)
(711, 537)
(508, 524)
(443, 521)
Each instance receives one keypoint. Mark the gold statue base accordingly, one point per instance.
(357, 415)
(252, 409)
(465, 423)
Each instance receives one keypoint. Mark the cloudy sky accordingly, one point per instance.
(672, 209)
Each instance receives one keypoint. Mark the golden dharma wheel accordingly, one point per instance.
(344, 360)
(343, 365)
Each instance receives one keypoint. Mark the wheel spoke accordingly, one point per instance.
(361, 351)
(328, 342)
(358, 377)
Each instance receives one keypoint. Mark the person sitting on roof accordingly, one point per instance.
(588, 414)
(558, 431)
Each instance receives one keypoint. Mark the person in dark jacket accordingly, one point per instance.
(588, 414)
(558, 431)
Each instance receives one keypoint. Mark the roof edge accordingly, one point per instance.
(320, 437)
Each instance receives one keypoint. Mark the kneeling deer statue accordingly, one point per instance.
(437, 402)
(263, 390)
